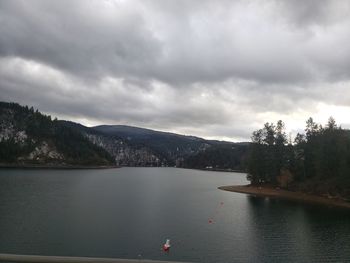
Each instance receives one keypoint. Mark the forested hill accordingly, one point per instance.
(171, 148)
(144, 136)
(145, 147)
(28, 137)
(180, 150)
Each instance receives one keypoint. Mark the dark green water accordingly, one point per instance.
(129, 212)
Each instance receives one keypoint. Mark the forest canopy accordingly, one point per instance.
(317, 161)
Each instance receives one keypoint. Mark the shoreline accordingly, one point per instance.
(271, 192)
(213, 170)
(63, 167)
(60, 167)
(219, 170)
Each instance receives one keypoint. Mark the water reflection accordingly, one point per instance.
(286, 231)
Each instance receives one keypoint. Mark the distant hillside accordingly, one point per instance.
(181, 150)
(125, 153)
(29, 137)
(172, 148)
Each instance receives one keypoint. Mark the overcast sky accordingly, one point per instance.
(214, 69)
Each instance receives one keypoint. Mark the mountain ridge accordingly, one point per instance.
(125, 145)
(141, 130)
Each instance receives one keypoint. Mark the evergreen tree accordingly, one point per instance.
(319, 161)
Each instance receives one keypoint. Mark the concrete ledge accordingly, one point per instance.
(58, 259)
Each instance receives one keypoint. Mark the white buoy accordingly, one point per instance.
(167, 245)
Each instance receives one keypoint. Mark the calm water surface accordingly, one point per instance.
(129, 212)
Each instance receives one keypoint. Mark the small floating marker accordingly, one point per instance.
(210, 221)
(221, 203)
(167, 245)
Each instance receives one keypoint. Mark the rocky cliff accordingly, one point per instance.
(29, 137)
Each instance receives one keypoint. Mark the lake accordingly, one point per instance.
(129, 212)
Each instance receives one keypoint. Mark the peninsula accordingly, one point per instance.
(315, 168)
(271, 192)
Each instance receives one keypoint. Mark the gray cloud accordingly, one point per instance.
(196, 67)
(121, 40)
(314, 12)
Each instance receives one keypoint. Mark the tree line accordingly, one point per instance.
(316, 161)
(226, 157)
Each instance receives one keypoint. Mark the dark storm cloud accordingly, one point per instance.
(203, 67)
(77, 36)
(168, 42)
